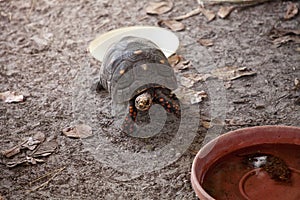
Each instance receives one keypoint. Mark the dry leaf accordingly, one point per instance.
(174, 59)
(33, 141)
(198, 97)
(159, 7)
(172, 24)
(197, 77)
(281, 36)
(182, 65)
(292, 11)
(14, 163)
(206, 124)
(186, 82)
(78, 131)
(30, 143)
(224, 11)
(190, 14)
(11, 97)
(210, 15)
(206, 42)
(227, 84)
(27, 160)
(12, 151)
(285, 39)
(277, 32)
(178, 63)
(188, 96)
(246, 2)
(229, 73)
(45, 149)
(33, 161)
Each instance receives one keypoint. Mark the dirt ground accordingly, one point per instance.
(44, 56)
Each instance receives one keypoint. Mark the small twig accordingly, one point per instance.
(231, 1)
(55, 173)
(32, 7)
(189, 14)
(239, 4)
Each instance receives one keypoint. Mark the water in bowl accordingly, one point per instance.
(269, 171)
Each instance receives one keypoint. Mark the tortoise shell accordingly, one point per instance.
(134, 65)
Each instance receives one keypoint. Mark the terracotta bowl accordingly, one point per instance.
(240, 139)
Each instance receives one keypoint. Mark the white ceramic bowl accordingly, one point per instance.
(166, 40)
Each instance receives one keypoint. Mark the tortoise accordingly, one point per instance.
(137, 75)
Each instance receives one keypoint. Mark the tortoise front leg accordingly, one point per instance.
(128, 124)
(168, 100)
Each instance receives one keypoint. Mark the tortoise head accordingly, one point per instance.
(143, 101)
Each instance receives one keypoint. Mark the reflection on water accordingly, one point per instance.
(276, 160)
(274, 166)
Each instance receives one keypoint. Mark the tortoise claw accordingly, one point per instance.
(128, 125)
(168, 101)
(99, 86)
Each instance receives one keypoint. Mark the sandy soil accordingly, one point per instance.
(44, 56)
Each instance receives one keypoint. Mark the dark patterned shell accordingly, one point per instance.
(133, 65)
